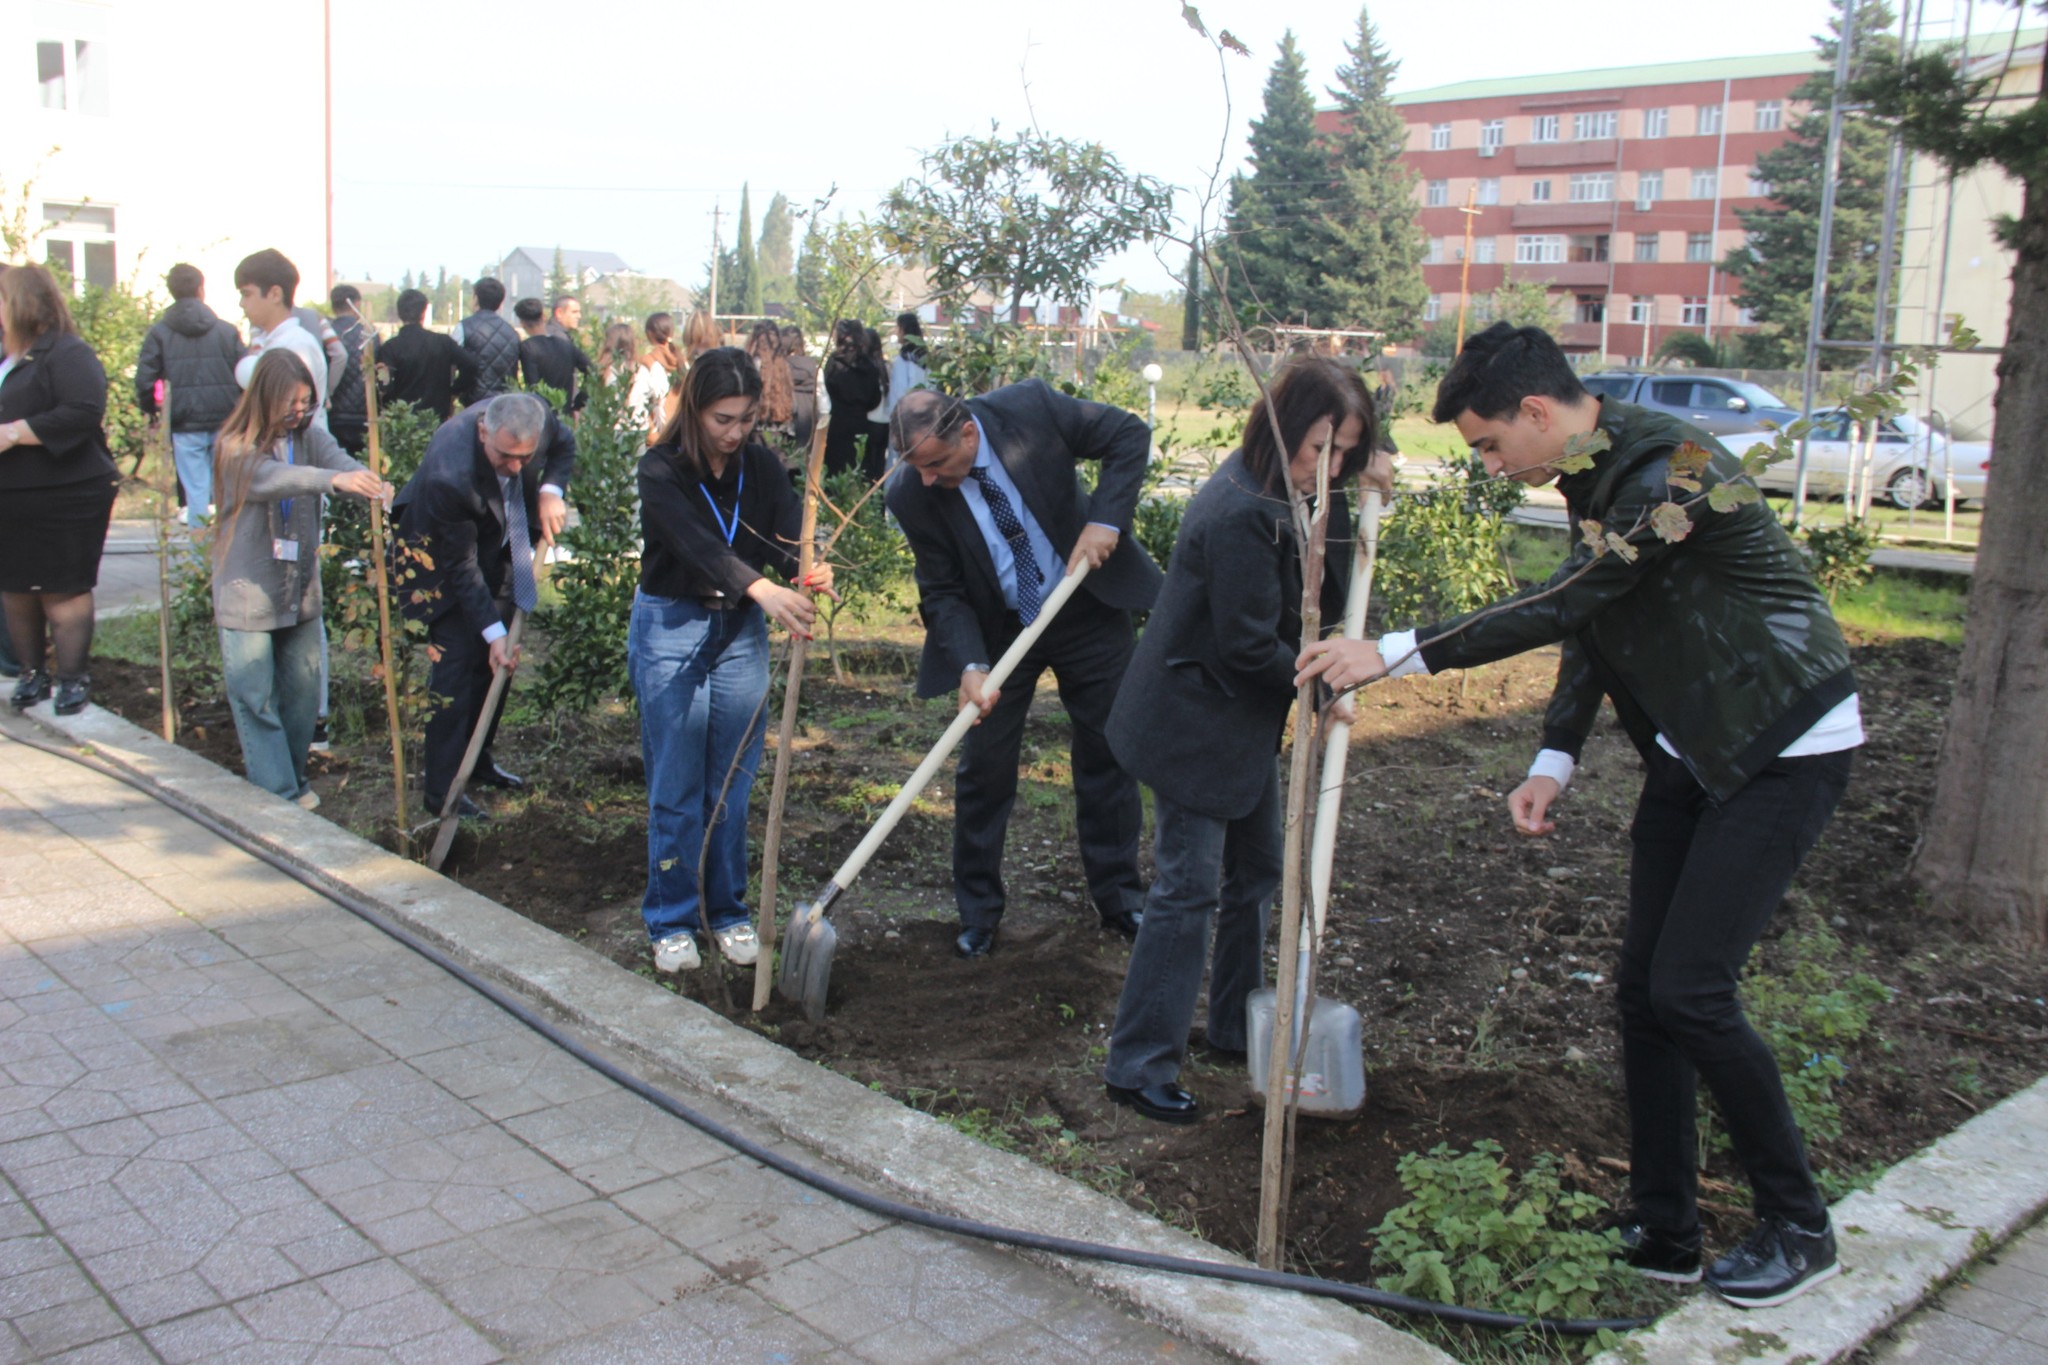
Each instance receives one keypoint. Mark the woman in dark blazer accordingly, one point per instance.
(1199, 720)
(57, 484)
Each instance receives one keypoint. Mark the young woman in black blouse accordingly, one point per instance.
(716, 512)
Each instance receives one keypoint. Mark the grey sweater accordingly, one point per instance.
(252, 588)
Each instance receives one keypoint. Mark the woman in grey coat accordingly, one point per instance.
(271, 467)
(1199, 719)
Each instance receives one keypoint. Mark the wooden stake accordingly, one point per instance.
(1311, 528)
(166, 499)
(380, 574)
(785, 736)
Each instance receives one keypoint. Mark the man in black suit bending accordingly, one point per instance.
(988, 499)
(488, 493)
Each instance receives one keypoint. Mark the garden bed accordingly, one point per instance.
(1481, 962)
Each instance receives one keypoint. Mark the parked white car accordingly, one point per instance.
(1907, 468)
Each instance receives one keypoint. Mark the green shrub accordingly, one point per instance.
(586, 625)
(1840, 555)
(871, 561)
(1809, 1010)
(1443, 550)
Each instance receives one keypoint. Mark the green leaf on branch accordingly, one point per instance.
(1579, 451)
(1233, 43)
(1591, 531)
(1618, 543)
(1726, 497)
(1670, 522)
(1962, 337)
(1194, 18)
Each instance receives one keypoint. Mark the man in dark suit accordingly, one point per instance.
(423, 368)
(988, 499)
(546, 358)
(488, 492)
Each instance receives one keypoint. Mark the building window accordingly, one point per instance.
(1587, 247)
(1543, 128)
(1699, 246)
(1482, 308)
(1656, 122)
(80, 240)
(1439, 194)
(1435, 254)
(1489, 191)
(1759, 188)
(1483, 250)
(1703, 184)
(1745, 318)
(1593, 126)
(1591, 187)
(1709, 123)
(1693, 313)
(1770, 116)
(1439, 137)
(1539, 191)
(1493, 133)
(1432, 308)
(1539, 250)
(1646, 246)
(1592, 308)
(72, 74)
(1649, 189)
(1642, 308)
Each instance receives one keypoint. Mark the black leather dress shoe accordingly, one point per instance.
(975, 942)
(465, 809)
(495, 776)
(1124, 922)
(1166, 1103)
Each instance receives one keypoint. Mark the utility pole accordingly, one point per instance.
(1465, 274)
(1844, 41)
(327, 122)
(1714, 225)
(714, 259)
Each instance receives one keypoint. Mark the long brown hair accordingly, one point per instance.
(778, 395)
(260, 419)
(1304, 391)
(701, 334)
(32, 305)
(720, 373)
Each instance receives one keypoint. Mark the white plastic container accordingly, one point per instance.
(1332, 1080)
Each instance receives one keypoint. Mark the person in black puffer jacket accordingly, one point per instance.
(195, 351)
(491, 342)
(348, 408)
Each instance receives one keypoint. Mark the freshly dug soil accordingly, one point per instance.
(1480, 961)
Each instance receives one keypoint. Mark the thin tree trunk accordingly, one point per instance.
(1984, 856)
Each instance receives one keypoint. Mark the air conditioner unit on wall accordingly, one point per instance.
(1488, 149)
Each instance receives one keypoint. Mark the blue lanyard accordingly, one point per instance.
(730, 529)
(285, 507)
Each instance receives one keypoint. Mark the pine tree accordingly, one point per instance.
(775, 257)
(1775, 265)
(1276, 212)
(559, 282)
(1368, 268)
(405, 282)
(812, 269)
(1191, 302)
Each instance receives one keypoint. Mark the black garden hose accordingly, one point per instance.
(880, 1205)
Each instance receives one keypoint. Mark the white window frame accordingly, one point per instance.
(1642, 308)
(1692, 312)
(1590, 187)
(84, 83)
(1656, 123)
(1655, 242)
(1595, 125)
(1704, 183)
(1699, 247)
(1759, 188)
(1770, 116)
(1439, 137)
(1488, 190)
(1649, 189)
(1707, 120)
(77, 228)
(1493, 132)
(1432, 308)
(1544, 248)
(1539, 191)
(1543, 128)
(1485, 250)
(1437, 194)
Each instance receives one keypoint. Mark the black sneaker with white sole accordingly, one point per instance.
(1655, 1254)
(1779, 1261)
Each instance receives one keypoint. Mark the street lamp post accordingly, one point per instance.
(1153, 374)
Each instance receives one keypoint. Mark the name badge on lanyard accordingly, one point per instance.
(283, 550)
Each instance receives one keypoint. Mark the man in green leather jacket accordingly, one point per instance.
(1731, 677)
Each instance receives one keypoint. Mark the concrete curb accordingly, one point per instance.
(1928, 1218)
(868, 1133)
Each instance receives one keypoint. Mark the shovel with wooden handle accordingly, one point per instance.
(444, 838)
(806, 970)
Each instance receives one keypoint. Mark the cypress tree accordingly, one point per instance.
(775, 258)
(1191, 302)
(744, 280)
(1368, 270)
(1775, 264)
(1277, 211)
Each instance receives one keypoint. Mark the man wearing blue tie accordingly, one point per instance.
(489, 490)
(988, 498)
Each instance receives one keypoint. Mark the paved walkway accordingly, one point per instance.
(1997, 1314)
(236, 1123)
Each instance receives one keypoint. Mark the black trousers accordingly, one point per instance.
(459, 681)
(1703, 882)
(1087, 647)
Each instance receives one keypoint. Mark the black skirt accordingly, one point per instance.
(51, 538)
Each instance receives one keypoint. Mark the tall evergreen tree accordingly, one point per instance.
(1191, 302)
(1276, 212)
(775, 257)
(812, 269)
(1368, 266)
(559, 282)
(741, 284)
(1775, 264)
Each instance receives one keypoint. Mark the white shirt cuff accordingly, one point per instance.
(1398, 652)
(1555, 764)
(551, 488)
(494, 632)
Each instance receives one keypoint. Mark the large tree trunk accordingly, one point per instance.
(1985, 854)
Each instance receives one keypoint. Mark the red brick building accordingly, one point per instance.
(1616, 188)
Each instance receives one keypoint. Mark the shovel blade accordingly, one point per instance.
(805, 974)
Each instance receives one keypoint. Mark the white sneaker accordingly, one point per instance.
(677, 952)
(307, 800)
(739, 943)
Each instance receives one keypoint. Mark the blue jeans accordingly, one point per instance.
(273, 685)
(1203, 866)
(193, 453)
(702, 679)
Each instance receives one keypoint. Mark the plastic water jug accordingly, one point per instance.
(1332, 1079)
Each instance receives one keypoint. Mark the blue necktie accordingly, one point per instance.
(1030, 578)
(525, 592)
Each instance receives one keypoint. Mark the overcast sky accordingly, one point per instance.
(615, 125)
